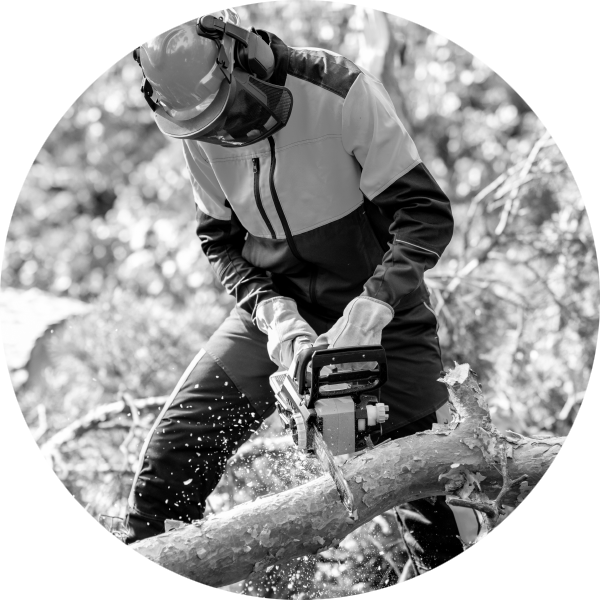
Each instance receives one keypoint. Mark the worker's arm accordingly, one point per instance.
(222, 241)
(222, 238)
(395, 180)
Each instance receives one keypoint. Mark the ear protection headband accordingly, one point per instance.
(251, 51)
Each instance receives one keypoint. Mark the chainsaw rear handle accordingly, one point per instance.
(322, 356)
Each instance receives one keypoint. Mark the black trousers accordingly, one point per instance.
(224, 396)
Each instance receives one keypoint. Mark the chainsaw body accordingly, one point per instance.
(320, 394)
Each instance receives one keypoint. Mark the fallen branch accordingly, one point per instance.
(460, 459)
(93, 419)
(90, 421)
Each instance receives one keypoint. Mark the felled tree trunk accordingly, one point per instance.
(463, 459)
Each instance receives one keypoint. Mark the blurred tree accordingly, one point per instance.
(380, 51)
(520, 297)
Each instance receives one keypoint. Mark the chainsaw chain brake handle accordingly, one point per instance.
(362, 381)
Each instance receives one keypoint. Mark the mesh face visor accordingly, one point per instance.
(259, 110)
(245, 110)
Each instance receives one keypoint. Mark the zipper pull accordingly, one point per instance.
(255, 165)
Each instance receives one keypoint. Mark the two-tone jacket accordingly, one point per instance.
(335, 204)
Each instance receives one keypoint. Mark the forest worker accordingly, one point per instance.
(318, 216)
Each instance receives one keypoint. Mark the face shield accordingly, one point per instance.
(244, 111)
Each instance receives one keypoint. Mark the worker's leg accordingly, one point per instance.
(433, 531)
(219, 402)
(447, 572)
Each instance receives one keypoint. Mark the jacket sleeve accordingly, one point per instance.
(222, 236)
(395, 180)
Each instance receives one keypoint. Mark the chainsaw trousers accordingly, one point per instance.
(224, 396)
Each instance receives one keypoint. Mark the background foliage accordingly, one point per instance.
(106, 216)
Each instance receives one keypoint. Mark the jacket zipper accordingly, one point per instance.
(259, 204)
(284, 223)
(286, 227)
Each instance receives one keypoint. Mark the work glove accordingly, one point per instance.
(361, 324)
(287, 331)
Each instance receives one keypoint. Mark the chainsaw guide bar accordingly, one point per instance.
(331, 406)
(324, 455)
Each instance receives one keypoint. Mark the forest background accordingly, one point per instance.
(108, 220)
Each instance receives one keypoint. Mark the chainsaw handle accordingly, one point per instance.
(362, 354)
(304, 357)
(374, 353)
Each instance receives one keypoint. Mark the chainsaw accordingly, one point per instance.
(330, 409)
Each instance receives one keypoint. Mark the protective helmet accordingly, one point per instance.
(182, 68)
(204, 80)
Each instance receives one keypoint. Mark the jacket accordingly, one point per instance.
(334, 205)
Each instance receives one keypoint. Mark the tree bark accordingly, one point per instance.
(461, 459)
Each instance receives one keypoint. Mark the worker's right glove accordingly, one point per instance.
(287, 331)
(361, 324)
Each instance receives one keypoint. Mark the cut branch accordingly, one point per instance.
(490, 510)
(460, 459)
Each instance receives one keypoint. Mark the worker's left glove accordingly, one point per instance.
(361, 324)
(287, 331)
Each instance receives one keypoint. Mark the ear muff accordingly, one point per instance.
(251, 51)
(256, 58)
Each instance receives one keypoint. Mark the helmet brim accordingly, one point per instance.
(197, 127)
